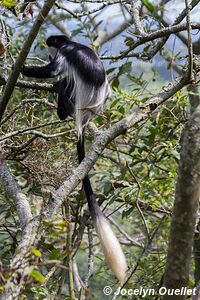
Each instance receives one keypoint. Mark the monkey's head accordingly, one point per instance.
(57, 41)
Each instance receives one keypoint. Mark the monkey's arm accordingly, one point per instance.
(53, 69)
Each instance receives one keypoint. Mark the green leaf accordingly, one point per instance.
(127, 212)
(61, 224)
(121, 110)
(38, 276)
(125, 68)
(54, 254)
(115, 82)
(148, 5)
(110, 70)
(114, 102)
(175, 154)
(9, 3)
(36, 252)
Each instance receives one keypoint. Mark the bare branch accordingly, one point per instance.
(90, 257)
(190, 47)
(29, 130)
(164, 32)
(10, 85)
(20, 201)
(155, 48)
(184, 12)
(105, 36)
(132, 241)
(33, 85)
(136, 5)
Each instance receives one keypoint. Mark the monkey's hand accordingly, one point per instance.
(24, 70)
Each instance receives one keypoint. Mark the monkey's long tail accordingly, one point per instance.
(111, 246)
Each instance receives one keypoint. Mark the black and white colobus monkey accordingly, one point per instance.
(81, 93)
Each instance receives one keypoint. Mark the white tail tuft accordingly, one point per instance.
(111, 248)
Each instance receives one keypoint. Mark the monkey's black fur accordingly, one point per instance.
(82, 91)
(84, 88)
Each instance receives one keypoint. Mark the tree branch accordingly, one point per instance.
(185, 208)
(14, 192)
(164, 32)
(10, 85)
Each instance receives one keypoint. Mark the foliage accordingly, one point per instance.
(134, 178)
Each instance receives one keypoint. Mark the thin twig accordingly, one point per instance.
(30, 130)
(190, 46)
(90, 256)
